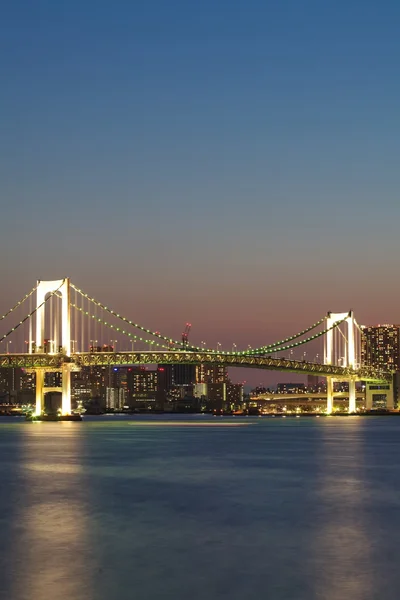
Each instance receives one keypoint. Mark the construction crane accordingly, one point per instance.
(185, 335)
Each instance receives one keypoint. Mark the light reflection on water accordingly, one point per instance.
(51, 516)
(147, 509)
(342, 540)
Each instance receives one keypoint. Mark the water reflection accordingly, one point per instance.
(283, 509)
(51, 516)
(341, 564)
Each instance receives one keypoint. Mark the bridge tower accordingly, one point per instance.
(62, 287)
(349, 358)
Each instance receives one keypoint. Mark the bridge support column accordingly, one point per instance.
(39, 391)
(66, 389)
(352, 396)
(329, 395)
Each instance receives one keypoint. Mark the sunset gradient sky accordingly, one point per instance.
(231, 163)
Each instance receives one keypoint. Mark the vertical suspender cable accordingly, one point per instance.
(82, 325)
(95, 325)
(75, 322)
(89, 325)
(337, 345)
(56, 325)
(334, 345)
(101, 332)
(52, 324)
(357, 337)
(30, 327)
(358, 345)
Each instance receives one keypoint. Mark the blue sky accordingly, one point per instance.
(234, 164)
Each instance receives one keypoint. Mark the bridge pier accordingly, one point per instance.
(66, 389)
(329, 395)
(39, 391)
(352, 396)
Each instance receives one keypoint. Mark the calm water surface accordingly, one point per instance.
(200, 508)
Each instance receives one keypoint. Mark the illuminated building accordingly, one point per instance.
(224, 396)
(89, 382)
(234, 394)
(116, 377)
(27, 380)
(290, 388)
(10, 382)
(200, 390)
(178, 374)
(115, 398)
(53, 379)
(142, 386)
(206, 373)
(380, 346)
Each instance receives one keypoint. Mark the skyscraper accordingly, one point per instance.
(380, 346)
(210, 373)
(179, 374)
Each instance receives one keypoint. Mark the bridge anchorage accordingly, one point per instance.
(63, 311)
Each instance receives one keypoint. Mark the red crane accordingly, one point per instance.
(185, 335)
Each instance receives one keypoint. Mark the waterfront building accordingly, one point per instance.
(206, 373)
(115, 398)
(380, 346)
(290, 388)
(142, 387)
(224, 395)
(176, 375)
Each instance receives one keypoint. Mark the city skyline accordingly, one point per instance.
(199, 320)
(232, 165)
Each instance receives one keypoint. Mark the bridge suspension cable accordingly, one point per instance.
(29, 315)
(289, 339)
(262, 349)
(271, 349)
(136, 325)
(306, 340)
(19, 303)
(118, 329)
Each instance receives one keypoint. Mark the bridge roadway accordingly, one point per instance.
(305, 396)
(54, 362)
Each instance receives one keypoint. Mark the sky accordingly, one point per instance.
(230, 163)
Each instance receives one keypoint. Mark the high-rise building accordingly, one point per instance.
(142, 386)
(10, 381)
(115, 398)
(28, 380)
(312, 382)
(224, 396)
(179, 374)
(206, 373)
(380, 346)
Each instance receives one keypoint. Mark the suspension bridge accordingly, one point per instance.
(64, 329)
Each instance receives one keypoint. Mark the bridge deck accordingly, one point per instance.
(84, 359)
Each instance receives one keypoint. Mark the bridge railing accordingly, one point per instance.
(44, 360)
